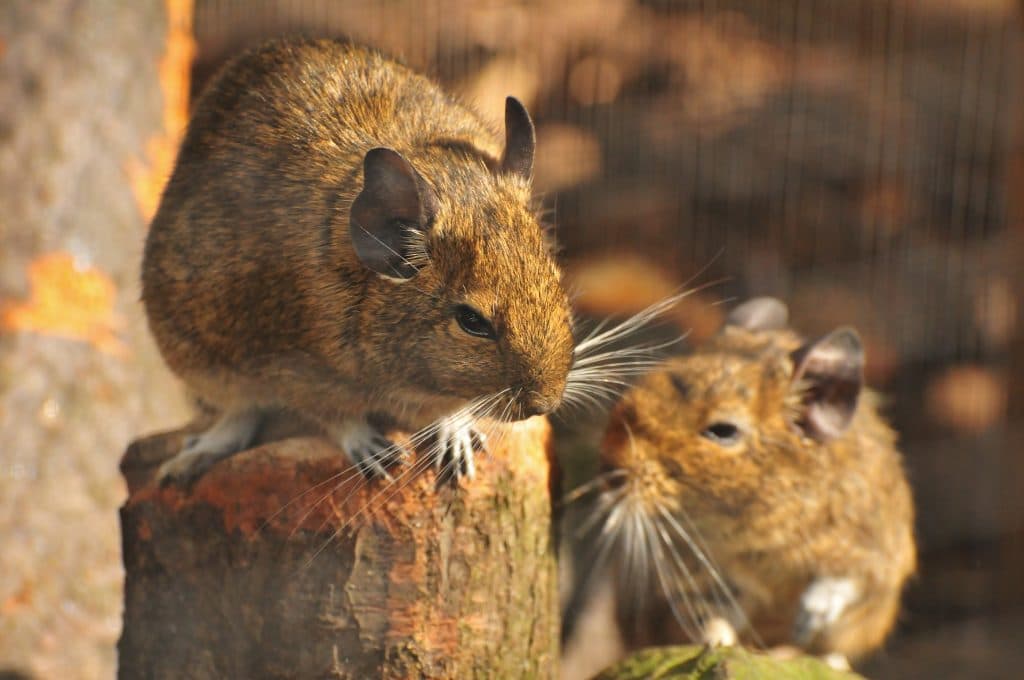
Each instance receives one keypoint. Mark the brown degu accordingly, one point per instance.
(753, 485)
(343, 240)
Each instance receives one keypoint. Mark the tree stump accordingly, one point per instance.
(266, 569)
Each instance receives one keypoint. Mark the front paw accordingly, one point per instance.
(821, 605)
(186, 467)
(718, 632)
(369, 450)
(457, 442)
(232, 433)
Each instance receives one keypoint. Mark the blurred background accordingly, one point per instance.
(860, 159)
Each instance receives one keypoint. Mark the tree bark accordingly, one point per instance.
(263, 570)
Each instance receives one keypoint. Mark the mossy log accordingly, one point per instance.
(264, 569)
(690, 662)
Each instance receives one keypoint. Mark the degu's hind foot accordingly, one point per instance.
(367, 447)
(233, 432)
(456, 443)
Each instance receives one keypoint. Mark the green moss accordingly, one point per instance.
(726, 663)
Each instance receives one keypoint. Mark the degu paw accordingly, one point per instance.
(718, 632)
(821, 605)
(457, 442)
(368, 448)
(186, 467)
(234, 432)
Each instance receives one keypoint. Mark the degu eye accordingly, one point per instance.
(473, 322)
(722, 432)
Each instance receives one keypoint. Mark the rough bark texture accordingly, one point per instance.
(263, 570)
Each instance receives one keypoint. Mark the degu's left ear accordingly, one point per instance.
(760, 314)
(829, 372)
(520, 140)
(394, 207)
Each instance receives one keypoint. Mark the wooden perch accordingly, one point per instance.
(690, 662)
(245, 575)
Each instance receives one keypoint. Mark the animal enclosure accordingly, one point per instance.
(861, 161)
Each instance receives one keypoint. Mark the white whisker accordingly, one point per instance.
(588, 487)
(699, 550)
(691, 585)
(638, 321)
(689, 622)
(396, 485)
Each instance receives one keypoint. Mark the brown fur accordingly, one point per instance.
(250, 282)
(776, 510)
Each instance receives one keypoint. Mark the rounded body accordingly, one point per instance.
(256, 294)
(768, 492)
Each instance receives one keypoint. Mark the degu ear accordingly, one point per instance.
(760, 314)
(829, 372)
(520, 140)
(393, 202)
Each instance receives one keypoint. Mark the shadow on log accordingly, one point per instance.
(247, 575)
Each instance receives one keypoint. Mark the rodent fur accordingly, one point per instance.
(261, 295)
(807, 501)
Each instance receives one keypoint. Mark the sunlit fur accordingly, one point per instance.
(251, 284)
(698, 529)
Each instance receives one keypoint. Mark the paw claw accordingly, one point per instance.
(370, 451)
(480, 441)
(457, 442)
(229, 435)
(185, 468)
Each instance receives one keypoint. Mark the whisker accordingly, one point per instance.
(701, 609)
(699, 549)
(424, 461)
(343, 475)
(634, 351)
(378, 499)
(356, 473)
(617, 371)
(687, 623)
(597, 377)
(638, 321)
(604, 505)
(598, 551)
(582, 398)
(588, 487)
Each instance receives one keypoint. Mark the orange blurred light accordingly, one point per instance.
(68, 301)
(149, 175)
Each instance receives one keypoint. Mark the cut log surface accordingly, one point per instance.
(284, 562)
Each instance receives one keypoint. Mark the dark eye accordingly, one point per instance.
(722, 433)
(473, 322)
